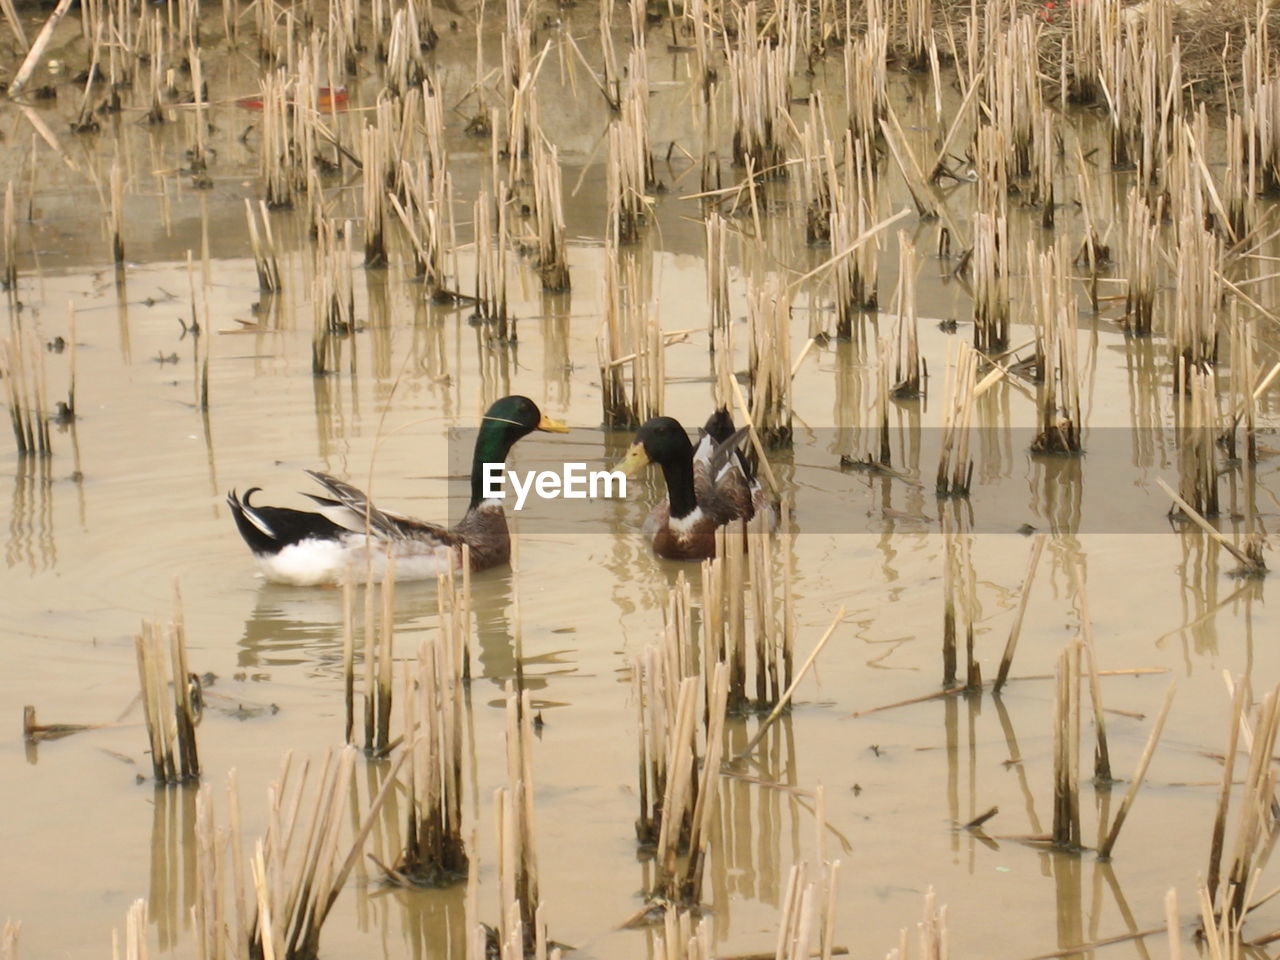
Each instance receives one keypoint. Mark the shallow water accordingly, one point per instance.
(132, 501)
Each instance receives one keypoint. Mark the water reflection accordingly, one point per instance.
(758, 830)
(292, 625)
(173, 862)
(32, 541)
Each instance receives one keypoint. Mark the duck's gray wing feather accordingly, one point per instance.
(350, 507)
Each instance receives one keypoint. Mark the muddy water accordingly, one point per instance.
(96, 537)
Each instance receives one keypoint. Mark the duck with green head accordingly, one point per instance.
(305, 548)
(708, 485)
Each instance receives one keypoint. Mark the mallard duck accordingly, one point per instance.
(303, 548)
(707, 486)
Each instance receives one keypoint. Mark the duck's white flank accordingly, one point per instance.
(315, 562)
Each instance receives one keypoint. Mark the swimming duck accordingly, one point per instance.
(305, 548)
(707, 486)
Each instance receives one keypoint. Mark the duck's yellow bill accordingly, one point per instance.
(551, 426)
(635, 460)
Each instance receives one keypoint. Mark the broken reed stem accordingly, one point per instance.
(348, 655)
(9, 940)
(220, 932)
(785, 701)
(1251, 561)
(1238, 695)
(1066, 749)
(135, 934)
(117, 214)
(264, 248)
(1102, 755)
(32, 58)
(1197, 442)
(1104, 851)
(959, 592)
(910, 370)
(164, 677)
(1011, 645)
(9, 264)
(1253, 820)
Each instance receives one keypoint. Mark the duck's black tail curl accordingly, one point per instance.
(268, 530)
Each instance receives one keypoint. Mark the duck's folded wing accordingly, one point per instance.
(722, 481)
(349, 507)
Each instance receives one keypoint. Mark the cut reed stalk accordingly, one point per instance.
(298, 872)
(1239, 690)
(910, 370)
(348, 655)
(116, 218)
(818, 180)
(882, 454)
(719, 319)
(1066, 749)
(1197, 295)
(990, 265)
(553, 255)
(1197, 446)
(962, 389)
(1139, 262)
(759, 80)
(434, 853)
(135, 934)
(164, 677)
(1056, 352)
(375, 155)
(854, 211)
(630, 339)
(277, 150)
(520, 905)
(659, 675)
(959, 611)
(865, 77)
(769, 371)
(492, 244)
(264, 248)
(9, 940)
(690, 797)
(9, 265)
(379, 636)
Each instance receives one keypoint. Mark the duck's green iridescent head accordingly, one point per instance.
(515, 416)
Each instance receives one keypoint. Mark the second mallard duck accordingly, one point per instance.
(707, 486)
